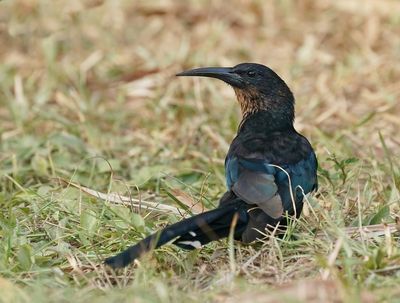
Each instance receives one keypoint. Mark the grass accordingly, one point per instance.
(87, 94)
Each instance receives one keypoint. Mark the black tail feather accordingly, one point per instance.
(214, 230)
(189, 233)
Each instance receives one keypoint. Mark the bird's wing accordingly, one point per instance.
(254, 182)
(257, 181)
(260, 189)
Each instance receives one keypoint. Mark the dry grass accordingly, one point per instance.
(88, 94)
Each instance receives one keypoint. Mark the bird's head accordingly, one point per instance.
(257, 87)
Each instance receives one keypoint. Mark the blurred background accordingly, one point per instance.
(95, 68)
(88, 92)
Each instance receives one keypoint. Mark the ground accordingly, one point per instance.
(88, 95)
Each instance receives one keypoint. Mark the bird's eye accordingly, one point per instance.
(251, 73)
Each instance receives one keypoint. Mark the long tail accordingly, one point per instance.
(190, 233)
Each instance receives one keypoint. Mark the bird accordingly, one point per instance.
(269, 168)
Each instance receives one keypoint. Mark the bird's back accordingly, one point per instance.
(281, 154)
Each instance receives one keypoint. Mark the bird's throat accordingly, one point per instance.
(278, 112)
(250, 101)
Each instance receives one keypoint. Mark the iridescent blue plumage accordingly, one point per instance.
(269, 152)
(302, 175)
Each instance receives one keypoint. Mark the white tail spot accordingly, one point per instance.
(195, 244)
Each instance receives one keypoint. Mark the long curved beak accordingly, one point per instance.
(225, 74)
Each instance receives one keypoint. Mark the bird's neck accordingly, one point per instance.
(275, 109)
(266, 121)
